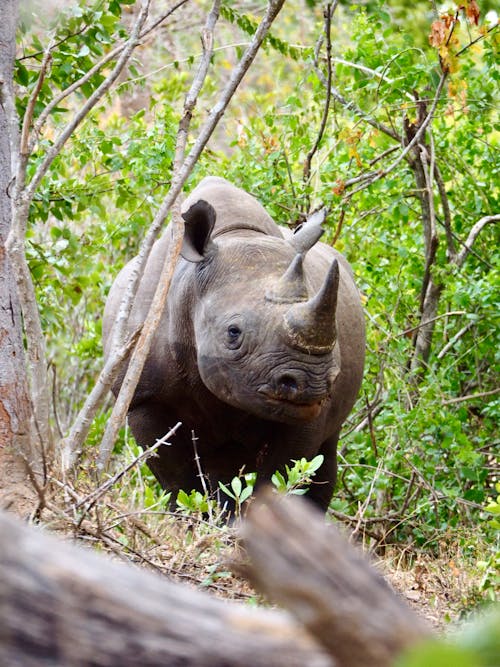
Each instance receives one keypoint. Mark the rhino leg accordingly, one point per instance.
(321, 490)
(173, 466)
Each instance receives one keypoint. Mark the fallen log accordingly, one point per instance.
(309, 568)
(65, 606)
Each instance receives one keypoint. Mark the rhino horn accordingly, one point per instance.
(310, 232)
(291, 287)
(310, 326)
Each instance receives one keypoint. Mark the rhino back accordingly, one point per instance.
(236, 210)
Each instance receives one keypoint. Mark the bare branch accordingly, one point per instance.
(55, 149)
(438, 317)
(455, 339)
(328, 13)
(471, 397)
(376, 176)
(146, 454)
(474, 41)
(30, 107)
(144, 344)
(423, 173)
(71, 445)
(111, 55)
(350, 106)
(445, 205)
(207, 40)
(473, 234)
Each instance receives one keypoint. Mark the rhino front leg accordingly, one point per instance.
(321, 490)
(173, 464)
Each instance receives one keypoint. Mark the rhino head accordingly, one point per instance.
(264, 323)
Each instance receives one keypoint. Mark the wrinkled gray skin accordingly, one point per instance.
(248, 359)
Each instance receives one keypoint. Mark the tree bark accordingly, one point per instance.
(15, 408)
(67, 607)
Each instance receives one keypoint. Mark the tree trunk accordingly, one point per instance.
(66, 607)
(15, 410)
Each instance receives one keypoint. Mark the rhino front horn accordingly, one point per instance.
(310, 326)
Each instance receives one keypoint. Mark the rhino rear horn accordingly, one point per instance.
(310, 326)
(310, 232)
(199, 221)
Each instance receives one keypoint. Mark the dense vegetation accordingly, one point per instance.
(325, 117)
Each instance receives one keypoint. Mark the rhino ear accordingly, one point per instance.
(199, 221)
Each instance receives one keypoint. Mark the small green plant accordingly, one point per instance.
(297, 476)
(193, 502)
(238, 492)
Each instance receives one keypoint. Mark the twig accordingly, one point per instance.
(201, 475)
(92, 497)
(30, 107)
(474, 41)
(328, 13)
(100, 91)
(350, 106)
(445, 205)
(88, 75)
(471, 397)
(455, 338)
(423, 324)
(72, 444)
(473, 234)
(207, 40)
(143, 346)
(376, 176)
(429, 220)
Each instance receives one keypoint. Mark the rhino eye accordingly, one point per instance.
(233, 336)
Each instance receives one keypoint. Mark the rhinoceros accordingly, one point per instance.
(260, 349)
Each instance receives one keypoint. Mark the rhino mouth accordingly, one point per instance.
(294, 409)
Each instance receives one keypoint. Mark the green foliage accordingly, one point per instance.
(476, 645)
(297, 476)
(194, 502)
(239, 493)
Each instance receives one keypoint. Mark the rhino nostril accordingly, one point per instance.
(287, 383)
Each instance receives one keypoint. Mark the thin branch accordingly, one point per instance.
(207, 40)
(376, 176)
(445, 205)
(94, 496)
(434, 319)
(100, 91)
(455, 339)
(473, 234)
(478, 39)
(328, 13)
(111, 55)
(30, 107)
(144, 344)
(350, 106)
(471, 397)
(428, 216)
(71, 445)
